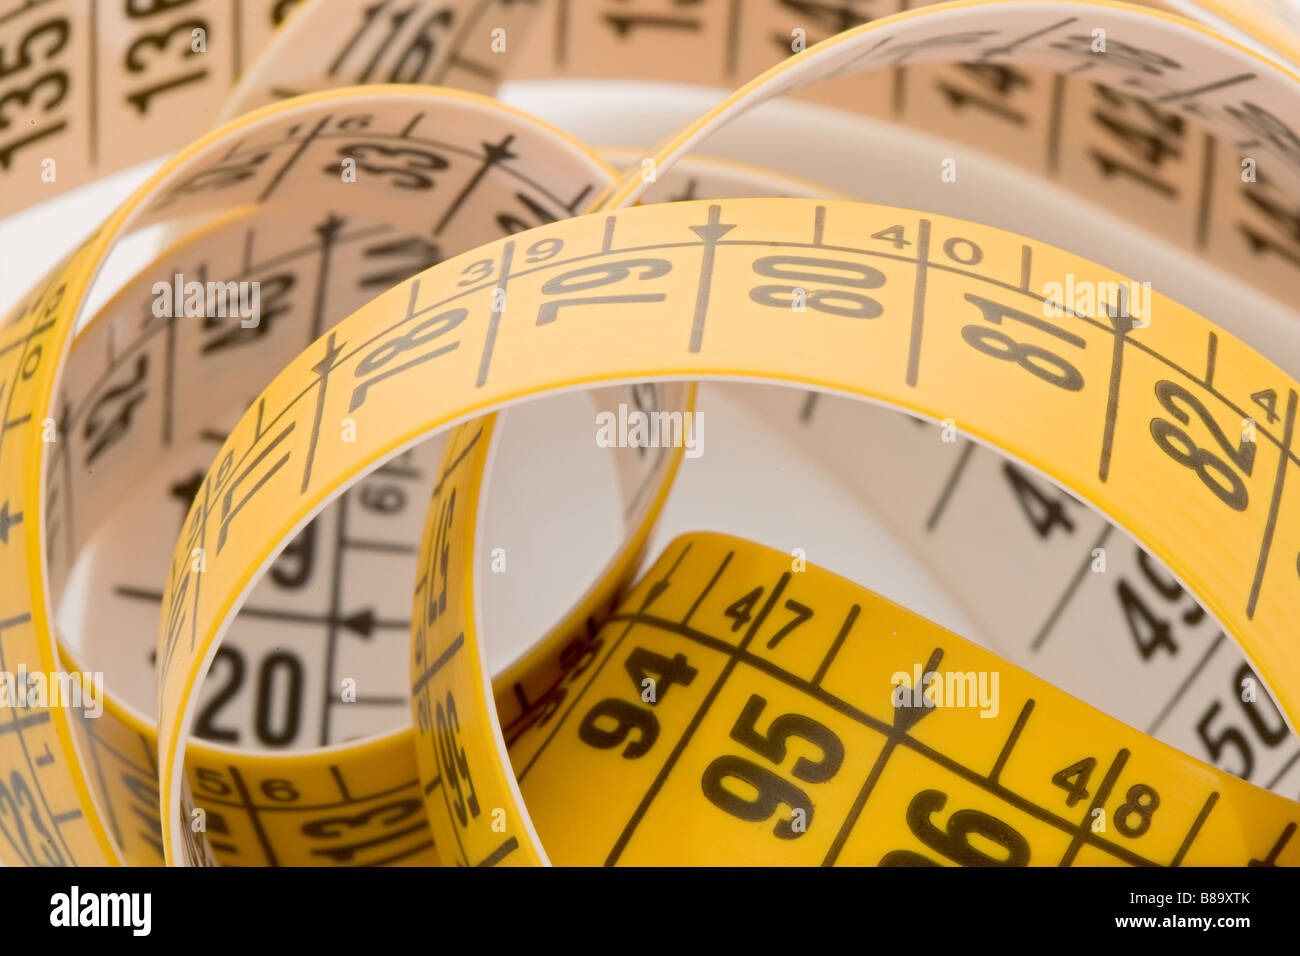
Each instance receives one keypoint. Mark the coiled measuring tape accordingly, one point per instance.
(442, 745)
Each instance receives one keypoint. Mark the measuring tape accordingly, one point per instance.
(1152, 166)
(272, 791)
(793, 730)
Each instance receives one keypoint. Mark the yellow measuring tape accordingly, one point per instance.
(680, 292)
(804, 720)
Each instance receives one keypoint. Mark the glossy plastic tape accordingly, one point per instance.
(938, 316)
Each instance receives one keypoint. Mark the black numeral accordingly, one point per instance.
(954, 841)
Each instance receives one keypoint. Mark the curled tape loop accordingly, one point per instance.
(634, 725)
